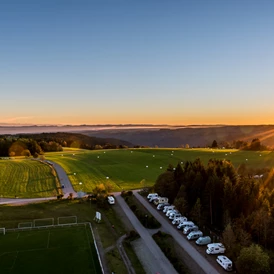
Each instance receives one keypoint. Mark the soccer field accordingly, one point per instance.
(49, 250)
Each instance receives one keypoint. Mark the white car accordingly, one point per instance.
(111, 200)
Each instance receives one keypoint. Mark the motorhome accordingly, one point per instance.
(161, 206)
(224, 262)
(179, 220)
(194, 235)
(174, 215)
(184, 224)
(171, 211)
(215, 248)
(150, 195)
(189, 229)
(152, 199)
(160, 200)
(203, 240)
(166, 208)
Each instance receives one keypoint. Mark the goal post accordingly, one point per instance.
(67, 220)
(43, 222)
(2, 230)
(25, 225)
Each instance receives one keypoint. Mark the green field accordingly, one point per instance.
(25, 178)
(50, 250)
(127, 169)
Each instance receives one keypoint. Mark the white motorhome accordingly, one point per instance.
(160, 200)
(161, 206)
(189, 229)
(184, 224)
(194, 235)
(179, 220)
(174, 215)
(166, 208)
(152, 199)
(215, 248)
(171, 211)
(224, 262)
(150, 195)
(111, 200)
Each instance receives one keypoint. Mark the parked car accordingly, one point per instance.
(224, 262)
(161, 206)
(189, 229)
(152, 195)
(111, 200)
(203, 240)
(184, 224)
(215, 248)
(194, 235)
(179, 220)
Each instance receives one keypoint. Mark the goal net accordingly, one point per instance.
(25, 225)
(2, 231)
(43, 222)
(68, 220)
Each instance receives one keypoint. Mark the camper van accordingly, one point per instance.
(161, 206)
(171, 211)
(224, 262)
(203, 240)
(174, 215)
(184, 224)
(160, 200)
(194, 235)
(166, 208)
(189, 229)
(215, 248)
(152, 199)
(179, 220)
(150, 195)
(111, 200)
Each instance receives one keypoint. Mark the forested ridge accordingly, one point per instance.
(37, 144)
(237, 204)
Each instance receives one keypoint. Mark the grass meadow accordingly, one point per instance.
(50, 250)
(25, 178)
(134, 168)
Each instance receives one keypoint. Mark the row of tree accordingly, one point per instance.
(218, 196)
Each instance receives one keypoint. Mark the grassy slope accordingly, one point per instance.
(126, 170)
(25, 179)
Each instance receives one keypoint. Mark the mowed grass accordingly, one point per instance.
(135, 168)
(25, 178)
(51, 250)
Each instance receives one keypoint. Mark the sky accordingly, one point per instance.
(137, 61)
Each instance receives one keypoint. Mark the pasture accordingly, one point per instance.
(135, 168)
(49, 250)
(25, 178)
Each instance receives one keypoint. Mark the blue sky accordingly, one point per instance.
(173, 62)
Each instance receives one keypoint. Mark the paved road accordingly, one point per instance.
(193, 253)
(160, 262)
(64, 180)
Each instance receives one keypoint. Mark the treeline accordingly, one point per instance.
(37, 144)
(218, 196)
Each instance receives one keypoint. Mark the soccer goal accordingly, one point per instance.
(2, 230)
(25, 225)
(43, 222)
(67, 220)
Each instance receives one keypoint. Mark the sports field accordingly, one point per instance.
(25, 178)
(134, 168)
(49, 250)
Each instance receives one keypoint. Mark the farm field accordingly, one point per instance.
(49, 250)
(25, 178)
(134, 168)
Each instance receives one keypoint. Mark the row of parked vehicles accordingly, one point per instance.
(191, 230)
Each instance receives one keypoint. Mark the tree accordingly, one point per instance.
(196, 212)
(253, 260)
(229, 240)
(187, 146)
(214, 144)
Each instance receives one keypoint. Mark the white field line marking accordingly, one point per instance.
(14, 260)
(90, 251)
(18, 236)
